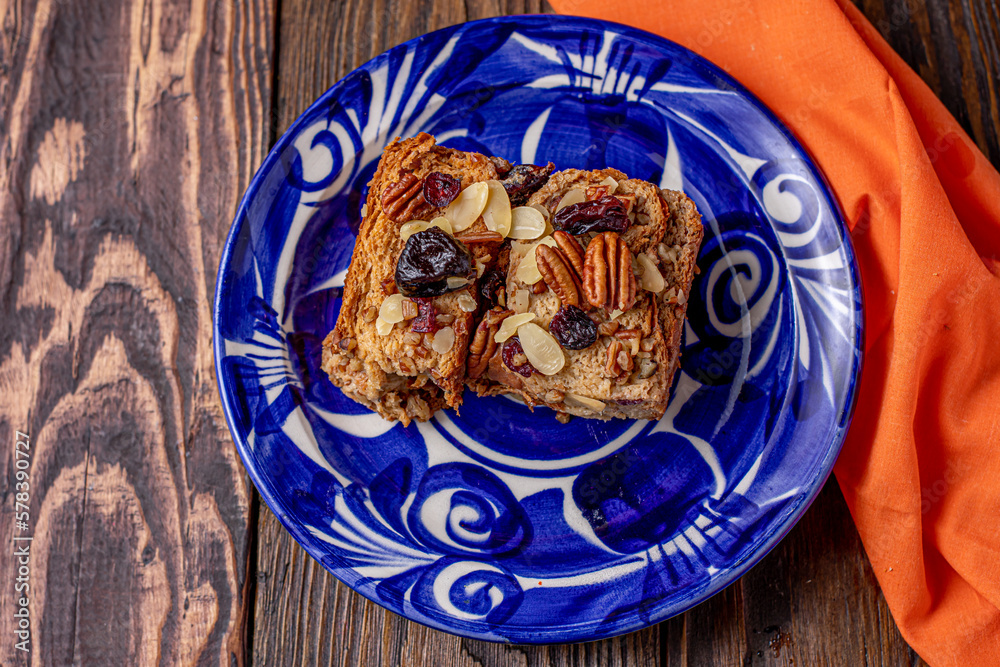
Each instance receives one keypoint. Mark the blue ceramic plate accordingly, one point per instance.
(503, 524)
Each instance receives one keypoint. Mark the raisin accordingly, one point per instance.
(525, 180)
(573, 328)
(491, 284)
(425, 321)
(428, 259)
(441, 189)
(606, 214)
(511, 349)
(502, 165)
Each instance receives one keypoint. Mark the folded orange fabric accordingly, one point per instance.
(921, 466)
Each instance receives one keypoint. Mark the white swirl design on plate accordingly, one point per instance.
(465, 580)
(745, 290)
(785, 208)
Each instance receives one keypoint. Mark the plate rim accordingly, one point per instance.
(590, 630)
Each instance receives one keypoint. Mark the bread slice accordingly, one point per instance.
(667, 229)
(402, 374)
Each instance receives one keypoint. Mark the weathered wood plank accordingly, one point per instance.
(955, 48)
(129, 131)
(813, 600)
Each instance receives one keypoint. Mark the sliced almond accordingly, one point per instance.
(391, 310)
(382, 327)
(610, 183)
(497, 214)
(650, 279)
(541, 348)
(520, 301)
(578, 401)
(574, 196)
(541, 209)
(410, 228)
(548, 218)
(467, 207)
(444, 339)
(526, 223)
(466, 302)
(527, 269)
(510, 325)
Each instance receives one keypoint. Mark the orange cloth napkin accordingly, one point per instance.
(921, 466)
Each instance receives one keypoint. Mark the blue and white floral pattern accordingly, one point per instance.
(503, 524)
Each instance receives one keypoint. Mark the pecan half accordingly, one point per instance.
(483, 346)
(630, 336)
(402, 199)
(559, 274)
(611, 368)
(571, 250)
(597, 191)
(618, 362)
(608, 281)
(473, 238)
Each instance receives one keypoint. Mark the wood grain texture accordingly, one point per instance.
(954, 45)
(130, 128)
(812, 601)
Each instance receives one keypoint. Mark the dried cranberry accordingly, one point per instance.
(511, 349)
(491, 284)
(629, 401)
(606, 214)
(573, 328)
(441, 189)
(525, 180)
(425, 321)
(428, 259)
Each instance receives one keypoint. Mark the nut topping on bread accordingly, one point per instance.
(559, 274)
(571, 250)
(402, 199)
(575, 284)
(608, 280)
(484, 344)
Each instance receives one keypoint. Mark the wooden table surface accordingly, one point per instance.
(129, 131)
